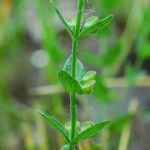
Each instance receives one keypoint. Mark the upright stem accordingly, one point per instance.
(75, 42)
(73, 114)
(80, 8)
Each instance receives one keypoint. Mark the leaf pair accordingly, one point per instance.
(88, 129)
(70, 84)
(80, 71)
(83, 83)
(55, 124)
(93, 23)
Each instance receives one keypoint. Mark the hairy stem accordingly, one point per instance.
(73, 113)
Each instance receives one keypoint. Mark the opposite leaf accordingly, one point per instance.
(91, 131)
(70, 84)
(62, 19)
(96, 25)
(55, 124)
(80, 71)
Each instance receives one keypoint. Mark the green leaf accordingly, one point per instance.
(94, 25)
(72, 23)
(65, 147)
(88, 87)
(80, 71)
(55, 124)
(91, 131)
(68, 125)
(62, 19)
(90, 75)
(70, 84)
(90, 21)
(86, 125)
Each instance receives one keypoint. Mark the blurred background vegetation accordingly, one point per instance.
(33, 47)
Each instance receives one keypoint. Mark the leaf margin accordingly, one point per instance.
(102, 23)
(83, 135)
(55, 124)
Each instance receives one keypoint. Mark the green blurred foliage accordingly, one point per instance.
(16, 43)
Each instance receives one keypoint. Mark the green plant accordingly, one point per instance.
(76, 80)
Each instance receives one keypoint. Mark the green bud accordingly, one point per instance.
(72, 23)
(88, 87)
(86, 125)
(90, 75)
(90, 21)
(68, 125)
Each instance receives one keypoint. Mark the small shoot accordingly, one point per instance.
(88, 87)
(72, 23)
(90, 75)
(87, 83)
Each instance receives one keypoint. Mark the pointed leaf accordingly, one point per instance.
(95, 26)
(70, 84)
(91, 131)
(62, 19)
(55, 124)
(80, 71)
